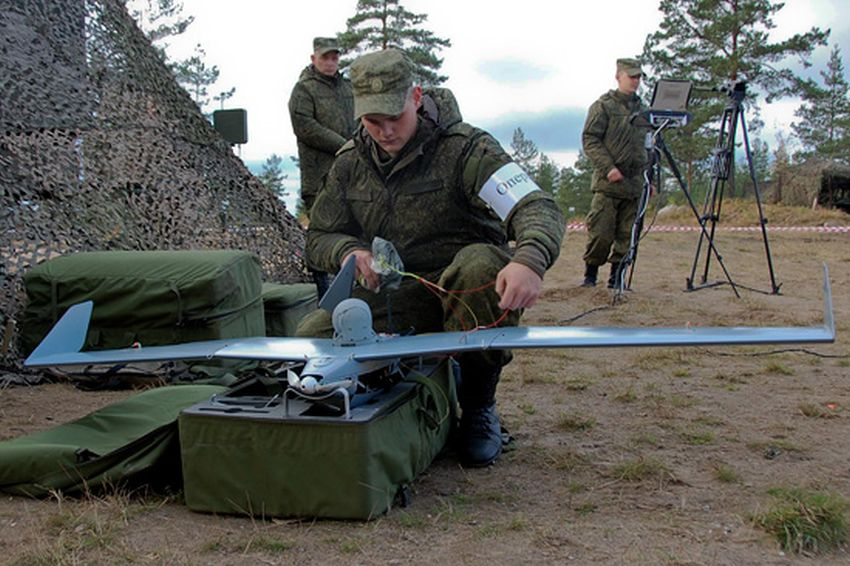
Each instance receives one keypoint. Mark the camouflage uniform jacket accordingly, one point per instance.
(610, 140)
(425, 201)
(322, 113)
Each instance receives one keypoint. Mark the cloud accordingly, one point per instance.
(512, 71)
(555, 130)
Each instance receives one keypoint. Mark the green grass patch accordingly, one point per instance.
(698, 437)
(726, 474)
(648, 439)
(578, 384)
(733, 379)
(682, 401)
(573, 422)
(567, 461)
(586, 509)
(805, 522)
(776, 368)
(640, 469)
(269, 544)
(528, 408)
(814, 410)
(410, 521)
(627, 396)
(709, 421)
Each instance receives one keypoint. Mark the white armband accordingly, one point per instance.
(505, 188)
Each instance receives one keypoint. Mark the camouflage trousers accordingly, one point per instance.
(470, 300)
(609, 228)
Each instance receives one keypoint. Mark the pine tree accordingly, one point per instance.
(781, 167)
(195, 76)
(760, 153)
(711, 42)
(524, 152)
(384, 24)
(574, 194)
(159, 20)
(824, 126)
(547, 174)
(272, 175)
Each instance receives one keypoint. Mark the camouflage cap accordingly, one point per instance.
(322, 45)
(380, 82)
(630, 66)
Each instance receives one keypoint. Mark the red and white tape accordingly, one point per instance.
(581, 226)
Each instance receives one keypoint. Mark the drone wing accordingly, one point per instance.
(62, 346)
(599, 337)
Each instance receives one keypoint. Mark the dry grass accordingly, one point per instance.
(647, 456)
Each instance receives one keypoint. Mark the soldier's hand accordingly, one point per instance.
(363, 269)
(614, 175)
(518, 286)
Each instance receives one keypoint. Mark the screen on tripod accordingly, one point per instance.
(671, 95)
(669, 106)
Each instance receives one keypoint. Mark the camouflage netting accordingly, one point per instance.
(101, 149)
(816, 181)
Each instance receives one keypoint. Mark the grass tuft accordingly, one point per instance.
(817, 411)
(575, 422)
(777, 368)
(726, 474)
(805, 522)
(640, 469)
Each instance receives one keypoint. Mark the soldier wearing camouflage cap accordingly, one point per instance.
(448, 197)
(321, 110)
(615, 146)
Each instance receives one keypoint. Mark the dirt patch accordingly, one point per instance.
(628, 456)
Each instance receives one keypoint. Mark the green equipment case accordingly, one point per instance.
(128, 443)
(279, 456)
(149, 297)
(285, 305)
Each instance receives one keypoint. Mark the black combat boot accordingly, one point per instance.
(590, 273)
(480, 433)
(614, 276)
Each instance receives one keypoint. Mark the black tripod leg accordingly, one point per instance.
(687, 192)
(629, 262)
(762, 220)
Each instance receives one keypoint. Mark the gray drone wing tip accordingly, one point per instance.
(340, 288)
(67, 336)
(828, 315)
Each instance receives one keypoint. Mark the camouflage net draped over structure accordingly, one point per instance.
(101, 149)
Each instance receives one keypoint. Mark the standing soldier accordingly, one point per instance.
(322, 111)
(449, 198)
(616, 148)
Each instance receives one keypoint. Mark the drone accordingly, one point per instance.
(338, 365)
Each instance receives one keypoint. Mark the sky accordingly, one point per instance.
(534, 64)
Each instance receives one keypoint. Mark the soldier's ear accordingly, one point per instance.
(416, 94)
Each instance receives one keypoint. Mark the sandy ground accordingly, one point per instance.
(717, 427)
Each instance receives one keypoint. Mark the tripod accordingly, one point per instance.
(657, 150)
(722, 171)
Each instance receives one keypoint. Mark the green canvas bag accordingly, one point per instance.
(245, 458)
(150, 297)
(285, 305)
(130, 442)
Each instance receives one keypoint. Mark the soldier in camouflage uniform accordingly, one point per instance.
(449, 198)
(322, 111)
(616, 148)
